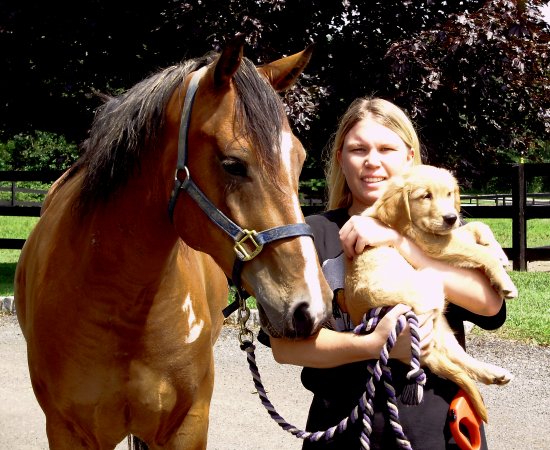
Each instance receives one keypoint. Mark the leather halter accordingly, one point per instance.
(243, 238)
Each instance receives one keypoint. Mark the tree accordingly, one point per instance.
(57, 58)
(478, 85)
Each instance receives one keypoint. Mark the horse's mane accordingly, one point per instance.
(126, 125)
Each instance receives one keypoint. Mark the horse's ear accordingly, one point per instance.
(283, 73)
(229, 61)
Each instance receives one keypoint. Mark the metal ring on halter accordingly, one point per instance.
(177, 179)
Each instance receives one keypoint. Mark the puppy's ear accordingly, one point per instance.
(457, 197)
(393, 207)
(407, 214)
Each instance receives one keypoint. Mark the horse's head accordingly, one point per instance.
(242, 154)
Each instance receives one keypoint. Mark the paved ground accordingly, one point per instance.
(519, 413)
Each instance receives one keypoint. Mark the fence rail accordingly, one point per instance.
(519, 206)
(11, 205)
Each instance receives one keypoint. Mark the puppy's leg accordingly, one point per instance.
(483, 235)
(473, 256)
(441, 364)
(449, 360)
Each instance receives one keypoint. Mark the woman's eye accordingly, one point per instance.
(428, 196)
(234, 167)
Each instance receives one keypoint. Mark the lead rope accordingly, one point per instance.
(412, 393)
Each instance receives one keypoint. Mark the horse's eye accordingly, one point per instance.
(234, 167)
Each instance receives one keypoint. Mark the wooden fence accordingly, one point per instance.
(523, 207)
(14, 206)
(518, 206)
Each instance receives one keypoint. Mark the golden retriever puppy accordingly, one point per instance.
(424, 205)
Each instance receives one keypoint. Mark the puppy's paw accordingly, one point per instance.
(507, 291)
(504, 285)
(502, 376)
(492, 374)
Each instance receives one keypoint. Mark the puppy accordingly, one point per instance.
(424, 205)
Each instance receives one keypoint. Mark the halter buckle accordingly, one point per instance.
(242, 253)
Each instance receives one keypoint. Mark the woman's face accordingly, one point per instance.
(370, 156)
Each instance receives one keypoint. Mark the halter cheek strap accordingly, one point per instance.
(248, 243)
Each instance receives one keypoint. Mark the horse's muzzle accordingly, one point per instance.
(297, 323)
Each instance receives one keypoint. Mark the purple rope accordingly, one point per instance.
(378, 371)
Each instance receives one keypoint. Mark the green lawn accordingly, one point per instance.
(12, 227)
(528, 315)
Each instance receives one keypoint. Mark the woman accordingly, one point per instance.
(375, 141)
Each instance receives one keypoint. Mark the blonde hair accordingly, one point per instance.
(383, 112)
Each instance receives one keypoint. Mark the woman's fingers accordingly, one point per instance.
(360, 232)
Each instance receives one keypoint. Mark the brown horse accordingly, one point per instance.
(121, 285)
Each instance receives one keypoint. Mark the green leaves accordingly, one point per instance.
(37, 151)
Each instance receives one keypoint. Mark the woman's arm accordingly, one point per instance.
(468, 288)
(330, 348)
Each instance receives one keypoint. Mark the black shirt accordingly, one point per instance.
(338, 390)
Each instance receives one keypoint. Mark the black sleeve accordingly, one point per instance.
(326, 227)
(263, 338)
(485, 322)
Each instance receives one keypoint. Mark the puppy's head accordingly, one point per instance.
(425, 197)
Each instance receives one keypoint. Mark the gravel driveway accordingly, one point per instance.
(519, 413)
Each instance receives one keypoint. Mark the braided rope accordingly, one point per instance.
(378, 371)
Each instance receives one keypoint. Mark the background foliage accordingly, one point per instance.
(472, 74)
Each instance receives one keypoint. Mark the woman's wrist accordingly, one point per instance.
(408, 250)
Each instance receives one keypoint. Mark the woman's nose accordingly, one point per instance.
(372, 158)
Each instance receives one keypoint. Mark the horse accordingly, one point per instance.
(121, 284)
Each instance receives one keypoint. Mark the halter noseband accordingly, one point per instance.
(243, 238)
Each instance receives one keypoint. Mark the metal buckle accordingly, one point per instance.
(241, 251)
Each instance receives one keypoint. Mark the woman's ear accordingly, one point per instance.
(411, 157)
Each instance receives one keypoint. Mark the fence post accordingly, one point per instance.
(519, 224)
(13, 193)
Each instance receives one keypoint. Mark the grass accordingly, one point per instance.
(12, 227)
(528, 316)
(538, 231)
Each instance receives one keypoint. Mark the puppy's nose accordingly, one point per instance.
(450, 219)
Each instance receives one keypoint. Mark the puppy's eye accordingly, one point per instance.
(449, 194)
(427, 196)
(234, 167)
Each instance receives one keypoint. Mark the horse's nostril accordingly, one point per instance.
(450, 218)
(301, 320)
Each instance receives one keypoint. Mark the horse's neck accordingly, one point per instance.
(132, 230)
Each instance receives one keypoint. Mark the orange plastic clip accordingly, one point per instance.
(464, 423)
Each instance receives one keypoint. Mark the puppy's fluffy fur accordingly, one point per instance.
(424, 205)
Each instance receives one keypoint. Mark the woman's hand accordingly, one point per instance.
(402, 348)
(360, 232)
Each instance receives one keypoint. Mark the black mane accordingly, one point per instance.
(126, 125)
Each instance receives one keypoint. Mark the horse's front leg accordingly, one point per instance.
(192, 433)
(66, 435)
